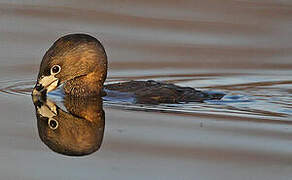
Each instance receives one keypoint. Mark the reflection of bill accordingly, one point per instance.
(76, 131)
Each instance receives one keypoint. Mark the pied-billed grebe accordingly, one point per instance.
(76, 130)
(79, 62)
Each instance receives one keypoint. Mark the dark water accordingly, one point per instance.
(241, 48)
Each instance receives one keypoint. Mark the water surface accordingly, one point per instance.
(241, 48)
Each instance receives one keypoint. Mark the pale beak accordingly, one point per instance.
(48, 109)
(45, 84)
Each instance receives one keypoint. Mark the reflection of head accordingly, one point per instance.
(76, 132)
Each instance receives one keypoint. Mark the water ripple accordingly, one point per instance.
(264, 99)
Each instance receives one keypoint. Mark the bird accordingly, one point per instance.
(79, 63)
(76, 129)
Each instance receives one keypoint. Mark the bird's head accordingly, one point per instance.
(76, 60)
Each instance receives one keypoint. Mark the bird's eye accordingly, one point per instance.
(53, 124)
(55, 69)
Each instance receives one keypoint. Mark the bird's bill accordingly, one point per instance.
(45, 84)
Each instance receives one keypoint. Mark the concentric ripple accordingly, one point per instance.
(17, 87)
(252, 96)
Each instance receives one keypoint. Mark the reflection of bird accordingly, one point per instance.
(79, 62)
(76, 131)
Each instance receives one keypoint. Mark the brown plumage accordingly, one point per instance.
(82, 62)
(75, 131)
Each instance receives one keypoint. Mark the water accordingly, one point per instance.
(253, 94)
(241, 48)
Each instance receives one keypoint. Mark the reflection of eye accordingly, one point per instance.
(53, 124)
(55, 69)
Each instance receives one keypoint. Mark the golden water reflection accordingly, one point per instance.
(75, 130)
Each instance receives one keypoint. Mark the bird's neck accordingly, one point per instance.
(85, 86)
